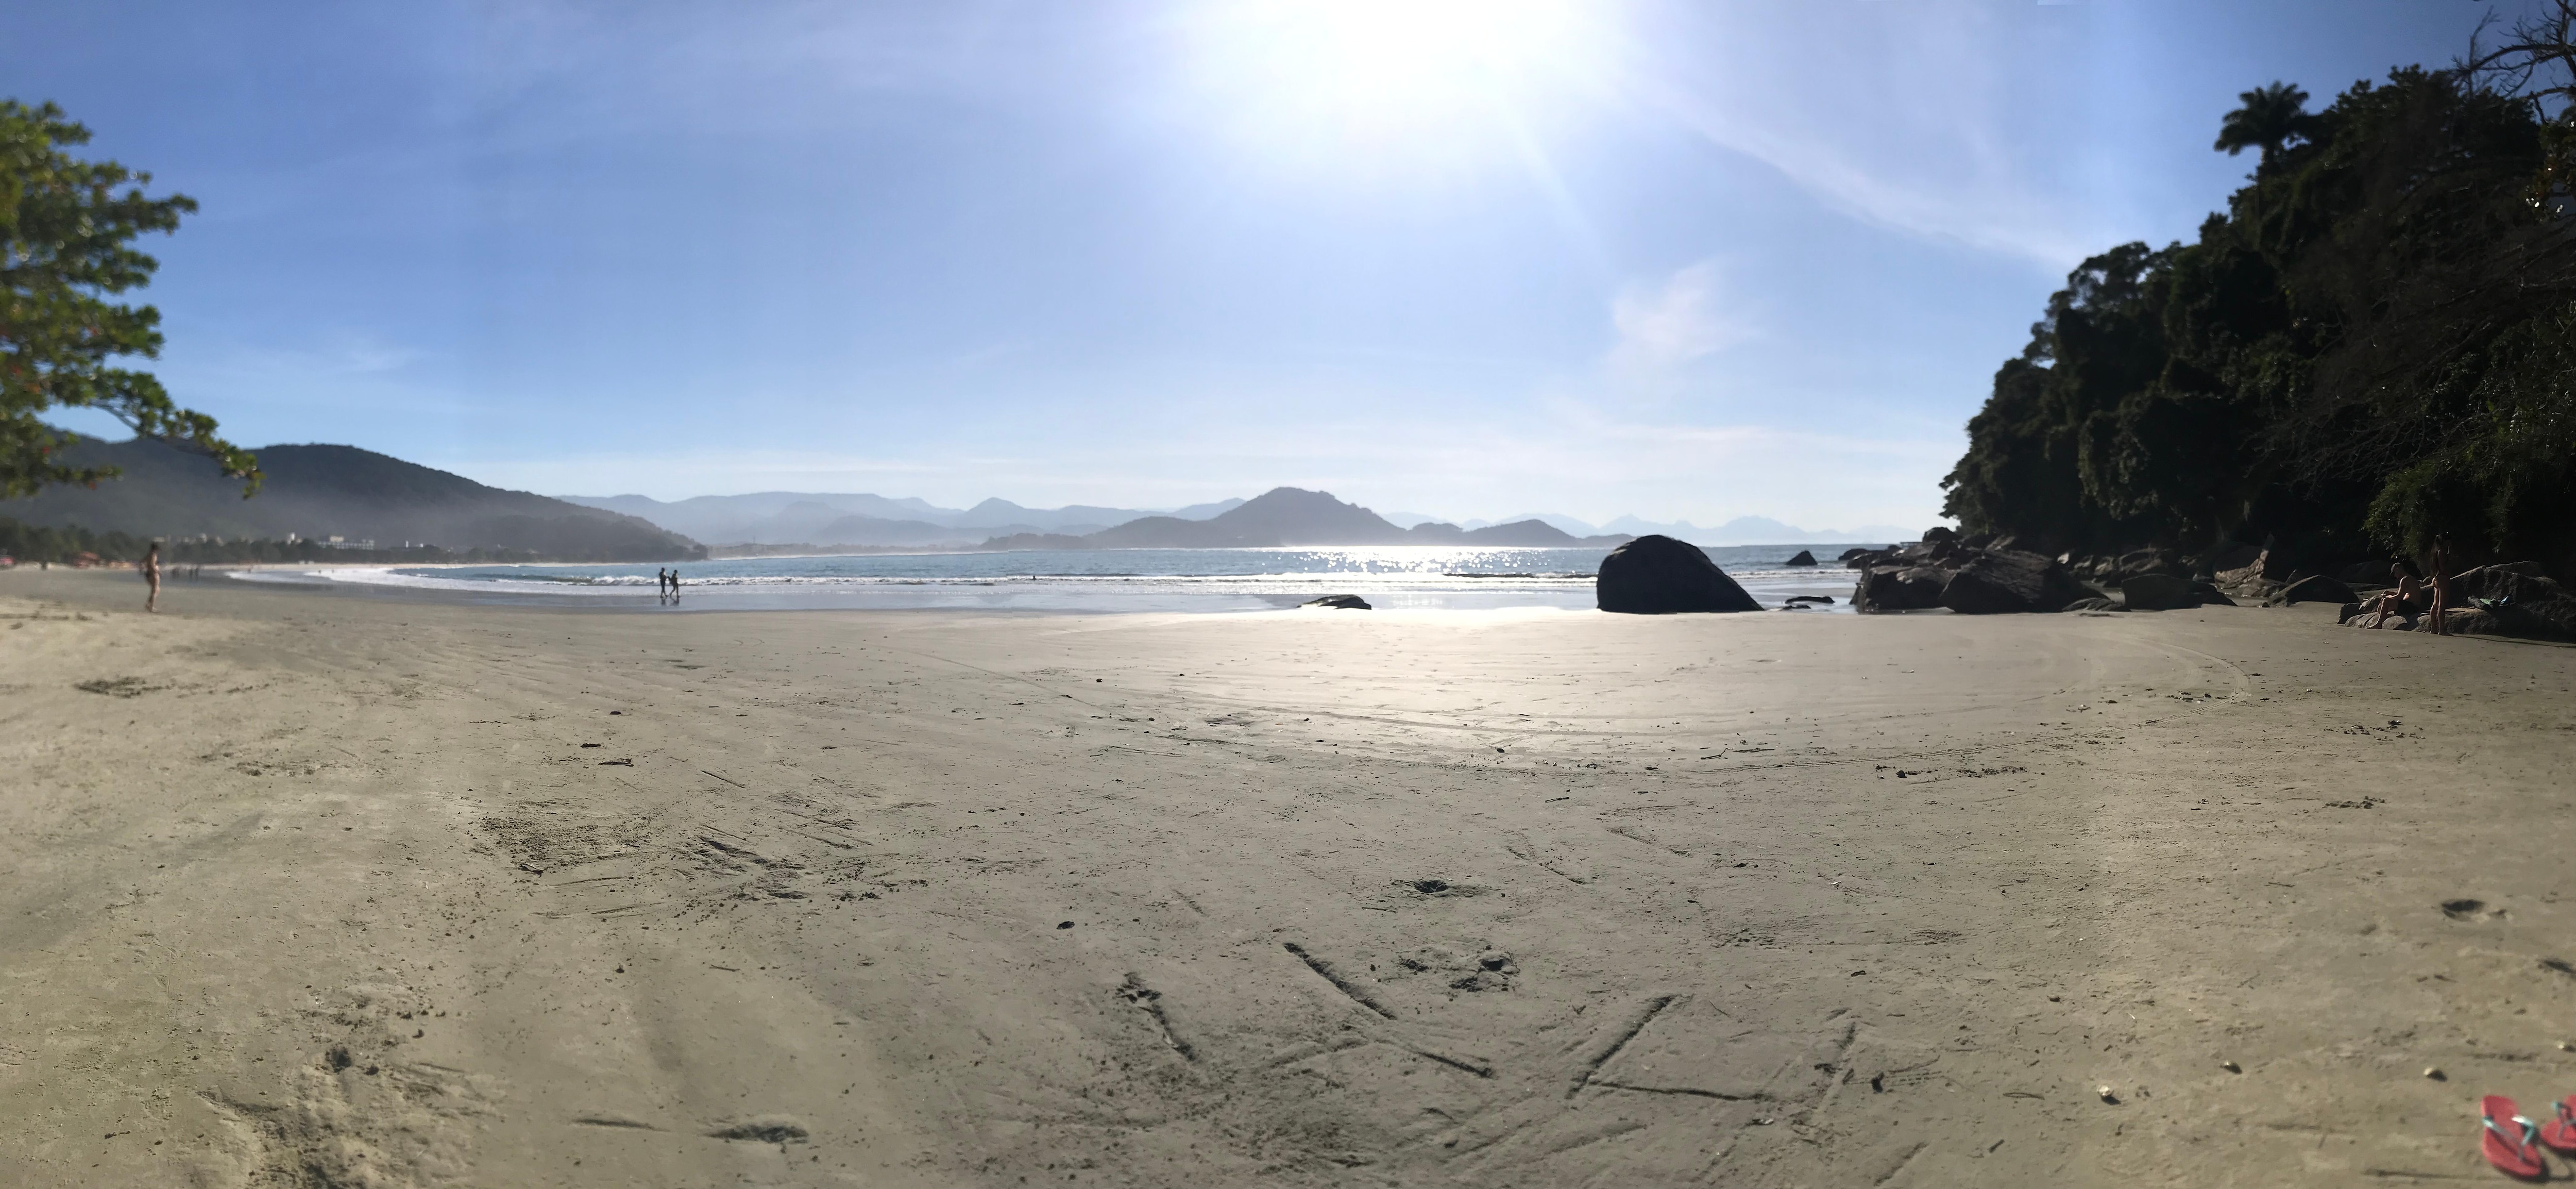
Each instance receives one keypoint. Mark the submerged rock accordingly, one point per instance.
(1804, 558)
(1340, 602)
(1657, 575)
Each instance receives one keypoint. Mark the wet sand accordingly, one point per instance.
(304, 888)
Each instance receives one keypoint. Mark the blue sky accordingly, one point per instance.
(1461, 257)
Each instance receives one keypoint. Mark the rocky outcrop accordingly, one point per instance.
(1929, 573)
(1996, 582)
(1339, 603)
(1804, 558)
(2520, 600)
(2315, 588)
(1657, 575)
(1899, 588)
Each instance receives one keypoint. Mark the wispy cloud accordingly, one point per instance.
(1674, 321)
(1915, 118)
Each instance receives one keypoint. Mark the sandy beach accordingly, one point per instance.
(315, 888)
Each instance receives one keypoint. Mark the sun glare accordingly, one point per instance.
(1397, 74)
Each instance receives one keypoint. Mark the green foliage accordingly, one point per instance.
(2270, 118)
(2372, 346)
(66, 232)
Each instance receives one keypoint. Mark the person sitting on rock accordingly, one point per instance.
(2407, 600)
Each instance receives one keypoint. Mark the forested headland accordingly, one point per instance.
(2373, 347)
(63, 545)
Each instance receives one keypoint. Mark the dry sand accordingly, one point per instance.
(316, 889)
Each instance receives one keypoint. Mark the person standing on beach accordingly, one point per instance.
(2441, 588)
(675, 584)
(152, 574)
(661, 583)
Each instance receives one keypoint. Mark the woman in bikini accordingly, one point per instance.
(2441, 588)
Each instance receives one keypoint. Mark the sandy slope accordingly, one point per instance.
(332, 893)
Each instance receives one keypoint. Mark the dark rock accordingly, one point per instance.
(1341, 602)
(1898, 588)
(2315, 588)
(1854, 551)
(1938, 533)
(2003, 583)
(2210, 595)
(2150, 561)
(2464, 621)
(1862, 559)
(1825, 599)
(1804, 558)
(2521, 600)
(1657, 575)
(2158, 592)
(2096, 603)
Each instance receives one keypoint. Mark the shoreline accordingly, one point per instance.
(301, 886)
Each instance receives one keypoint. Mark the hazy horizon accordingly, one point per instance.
(1643, 259)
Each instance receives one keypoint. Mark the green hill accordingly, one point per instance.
(2374, 347)
(318, 492)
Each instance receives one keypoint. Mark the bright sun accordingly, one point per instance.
(1338, 75)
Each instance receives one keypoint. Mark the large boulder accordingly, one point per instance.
(2011, 581)
(1804, 558)
(2158, 592)
(2315, 588)
(2520, 599)
(1657, 575)
(1854, 551)
(1898, 588)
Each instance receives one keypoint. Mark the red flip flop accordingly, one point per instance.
(2508, 1143)
(2561, 1135)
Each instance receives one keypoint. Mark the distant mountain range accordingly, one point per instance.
(1293, 516)
(325, 492)
(320, 492)
(1743, 530)
(806, 518)
(787, 517)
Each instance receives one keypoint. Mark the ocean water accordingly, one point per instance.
(1408, 577)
